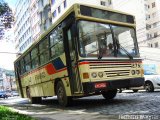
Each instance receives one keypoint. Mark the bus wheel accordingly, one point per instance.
(108, 95)
(63, 99)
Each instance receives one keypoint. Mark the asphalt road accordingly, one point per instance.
(126, 105)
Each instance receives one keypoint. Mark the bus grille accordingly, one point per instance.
(113, 69)
(115, 73)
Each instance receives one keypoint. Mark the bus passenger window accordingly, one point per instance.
(34, 58)
(44, 51)
(27, 59)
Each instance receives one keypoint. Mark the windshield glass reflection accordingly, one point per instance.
(96, 40)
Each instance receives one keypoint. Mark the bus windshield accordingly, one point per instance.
(106, 40)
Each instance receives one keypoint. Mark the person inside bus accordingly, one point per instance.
(110, 49)
(107, 49)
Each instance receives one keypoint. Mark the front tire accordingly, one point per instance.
(149, 87)
(63, 99)
(108, 95)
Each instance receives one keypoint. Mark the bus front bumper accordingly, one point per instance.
(91, 87)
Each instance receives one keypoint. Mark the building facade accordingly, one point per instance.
(34, 17)
(23, 34)
(7, 80)
(153, 23)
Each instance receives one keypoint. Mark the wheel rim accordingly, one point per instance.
(60, 94)
(148, 87)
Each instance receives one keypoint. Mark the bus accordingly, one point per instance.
(88, 51)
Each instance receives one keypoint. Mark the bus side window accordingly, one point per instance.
(34, 58)
(44, 51)
(22, 67)
(27, 60)
(56, 43)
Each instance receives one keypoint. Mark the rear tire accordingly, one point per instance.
(149, 87)
(108, 95)
(63, 99)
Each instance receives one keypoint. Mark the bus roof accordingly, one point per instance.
(70, 10)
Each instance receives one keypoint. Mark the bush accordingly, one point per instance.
(7, 114)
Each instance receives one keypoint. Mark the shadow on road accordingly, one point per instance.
(87, 103)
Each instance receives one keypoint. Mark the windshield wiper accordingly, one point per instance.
(121, 47)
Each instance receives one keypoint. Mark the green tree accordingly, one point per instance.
(7, 14)
(4, 8)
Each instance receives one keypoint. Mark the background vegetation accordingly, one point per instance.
(7, 114)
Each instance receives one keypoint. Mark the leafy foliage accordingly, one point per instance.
(4, 8)
(6, 114)
(6, 16)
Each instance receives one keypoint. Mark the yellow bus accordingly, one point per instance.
(90, 50)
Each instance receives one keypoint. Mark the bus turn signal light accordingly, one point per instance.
(85, 75)
(142, 71)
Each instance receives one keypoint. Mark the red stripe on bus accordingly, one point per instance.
(82, 63)
(50, 69)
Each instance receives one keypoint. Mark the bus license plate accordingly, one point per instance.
(100, 85)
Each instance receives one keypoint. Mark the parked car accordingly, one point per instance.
(8, 93)
(152, 82)
(3, 94)
(15, 93)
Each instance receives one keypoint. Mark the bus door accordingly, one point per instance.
(71, 60)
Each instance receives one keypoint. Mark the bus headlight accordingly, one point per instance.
(142, 71)
(137, 72)
(94, 75)
(133, 72)
(100, 74)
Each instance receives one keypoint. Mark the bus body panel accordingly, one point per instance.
(41, 80)
(94, 75)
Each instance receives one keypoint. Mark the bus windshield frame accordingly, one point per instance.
(106, 40)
